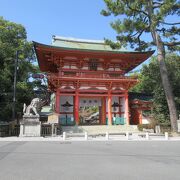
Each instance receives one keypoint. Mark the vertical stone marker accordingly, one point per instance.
(178, 123)
(157, 129)
(86, 136)
(127, 135)
(107, 136)
(166, 136)
(52, 129)
(64, 136)
(147, 136)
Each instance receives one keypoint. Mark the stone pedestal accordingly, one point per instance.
(157, 129)
(178, 123)
(30, 126)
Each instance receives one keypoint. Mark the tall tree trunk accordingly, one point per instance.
(165, 82)
(163, 70)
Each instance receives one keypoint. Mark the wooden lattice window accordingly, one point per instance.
(93, 64)
(69, 73)
(115, 75)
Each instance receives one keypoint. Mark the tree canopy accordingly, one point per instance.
(134, 20)
(150, 82)
(13, 38)
(142, 24)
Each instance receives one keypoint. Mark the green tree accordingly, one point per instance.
(141, 19)
(13, 38)
(150, 82)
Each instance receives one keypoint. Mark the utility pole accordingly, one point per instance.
(14, 86)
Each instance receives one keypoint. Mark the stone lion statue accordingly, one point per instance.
(33, 108)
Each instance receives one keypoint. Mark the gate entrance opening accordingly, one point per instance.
(90, 111)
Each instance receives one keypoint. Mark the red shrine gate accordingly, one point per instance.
(83, 70)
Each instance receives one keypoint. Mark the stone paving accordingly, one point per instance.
(89, 160)
(96, 137)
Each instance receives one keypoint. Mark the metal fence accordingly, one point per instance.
(9, 130)
(46, 130)
(50, 129)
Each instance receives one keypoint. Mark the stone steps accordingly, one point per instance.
(100, 129)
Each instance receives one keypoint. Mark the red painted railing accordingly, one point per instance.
(93, 74)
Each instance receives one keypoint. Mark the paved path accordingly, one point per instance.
(113, 160)
(76, 137)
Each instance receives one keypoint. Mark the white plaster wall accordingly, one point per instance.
(117, 68)
(70, 87)
(100, 68)
(100, 88)
(85, 68)
(66, 66)
(90, 102)
(122, 102)
(73, 67)
(114, 99)
(111, 69)
(63, 100)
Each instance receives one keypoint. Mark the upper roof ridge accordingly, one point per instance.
(71, 39)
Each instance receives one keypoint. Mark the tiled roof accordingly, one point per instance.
(82, 44)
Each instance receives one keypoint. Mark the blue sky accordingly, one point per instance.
(69, 18)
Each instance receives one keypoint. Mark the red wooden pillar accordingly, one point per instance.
(76, 108)
(57, 106)
(109, 109)
(103, 104)
(119, 107)
(126, 108)
(140, 117)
